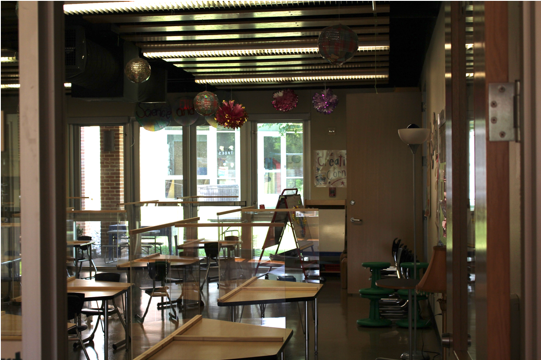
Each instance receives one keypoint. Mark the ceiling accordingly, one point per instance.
(258, 44)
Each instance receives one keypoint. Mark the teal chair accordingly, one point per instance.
(421, 296)
(374, 294)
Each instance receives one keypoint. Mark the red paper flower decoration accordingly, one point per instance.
(285, 100)
(231, 115)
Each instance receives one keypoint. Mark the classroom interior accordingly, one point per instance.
(283, 225)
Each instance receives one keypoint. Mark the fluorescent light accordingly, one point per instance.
(247, 52)
(17, 86)
(94, 7)
(289, 79)
(8, 59)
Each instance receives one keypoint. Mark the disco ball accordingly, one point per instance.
(338, 44)
(137, 70)
(206, 103)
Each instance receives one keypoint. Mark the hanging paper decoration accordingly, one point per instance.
(285, 100)
(137, 70)
(206, 103)
(152, 116)
(338, 44)
(231, 115)
(184, 113)
(211, 121)
(325, 102)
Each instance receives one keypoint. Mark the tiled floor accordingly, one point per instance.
(339, 335)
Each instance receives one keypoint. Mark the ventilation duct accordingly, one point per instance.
(88, 64)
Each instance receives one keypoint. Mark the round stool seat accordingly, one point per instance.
(379, 292)
(376, 264)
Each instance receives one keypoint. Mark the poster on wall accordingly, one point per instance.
(330, 168)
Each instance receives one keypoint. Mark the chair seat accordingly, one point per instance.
(79, 328)
(376, 291)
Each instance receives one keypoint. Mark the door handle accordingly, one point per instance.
(356, 221)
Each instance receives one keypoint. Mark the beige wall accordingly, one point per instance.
(433, 77)
(257, 102)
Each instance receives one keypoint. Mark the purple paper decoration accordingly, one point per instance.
(325, 102)
(338, 44)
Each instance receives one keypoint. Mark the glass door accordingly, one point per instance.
(280, 160)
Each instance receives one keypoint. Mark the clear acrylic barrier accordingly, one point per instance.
(96, 238)
(166, 288)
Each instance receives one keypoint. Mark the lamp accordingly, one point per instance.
(414, 136)
(435, 280)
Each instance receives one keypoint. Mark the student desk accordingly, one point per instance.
(12, 331)
(103, 291)
(206, 339)
(256, 291)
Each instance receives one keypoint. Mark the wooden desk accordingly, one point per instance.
(206, 339)
(258, 292)
(103, 291)
(12, 327)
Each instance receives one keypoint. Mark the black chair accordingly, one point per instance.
(212, 251)
(158, 271)
(99, 311)
(75, 305)
(80, 257)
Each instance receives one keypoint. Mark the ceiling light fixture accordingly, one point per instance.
(17, 86)
(9, 56)
(131, 6)
(248, 52)
(289, 79)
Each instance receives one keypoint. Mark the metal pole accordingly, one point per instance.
(307, 338)
(315, 327)
(414, 259)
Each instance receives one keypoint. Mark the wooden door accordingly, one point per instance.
(380, 184)
(479, 310)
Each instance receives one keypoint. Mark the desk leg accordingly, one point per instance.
(105, 330)
(315, 327)
(232, 313)
(409, 325)
(307, 337)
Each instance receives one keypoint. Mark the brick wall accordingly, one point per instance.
(112, 177)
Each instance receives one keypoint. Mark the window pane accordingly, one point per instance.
(161, 168)
(280, 160)
(218, 162)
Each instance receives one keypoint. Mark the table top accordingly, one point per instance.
(202, 242)
(12, 327)
(396, 283)
(173, 259)
(206, 339)
(80, 242)
(258, 291)
(97, 290)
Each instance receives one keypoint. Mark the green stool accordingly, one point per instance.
(374, 294)
(404, 295)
